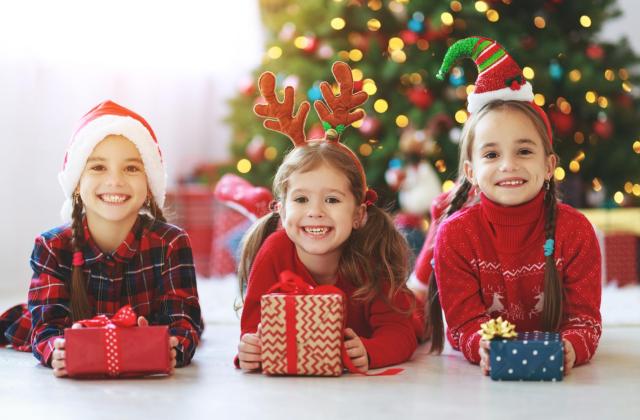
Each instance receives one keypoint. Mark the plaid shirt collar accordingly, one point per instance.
(125, 251)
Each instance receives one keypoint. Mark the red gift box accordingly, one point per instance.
(116, 348)
(301, 329)
(621, 258)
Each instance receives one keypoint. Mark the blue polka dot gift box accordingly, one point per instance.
(526, 356)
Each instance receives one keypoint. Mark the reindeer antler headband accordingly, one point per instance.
(335, 115)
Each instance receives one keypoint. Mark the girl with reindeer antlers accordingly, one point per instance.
(325, 227)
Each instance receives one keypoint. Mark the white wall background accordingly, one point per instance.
(174, 62)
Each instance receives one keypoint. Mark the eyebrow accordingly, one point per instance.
(331, 190)
(519, 141)
(101, 159)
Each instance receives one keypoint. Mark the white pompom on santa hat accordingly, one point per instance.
(105, 119)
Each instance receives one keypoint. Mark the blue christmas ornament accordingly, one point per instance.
(555, 70)
(314, 94)
(395, 163)
(415, 25)
(456, 78)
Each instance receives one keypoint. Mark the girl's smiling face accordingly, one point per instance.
(319, 212)
(508, 159)
(113, 185)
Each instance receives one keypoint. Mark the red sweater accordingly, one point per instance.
(489, 262)
(388, 335)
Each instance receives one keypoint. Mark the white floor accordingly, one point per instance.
(435, 387)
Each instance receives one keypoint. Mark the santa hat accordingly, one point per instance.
(499, 76)
(109, 118)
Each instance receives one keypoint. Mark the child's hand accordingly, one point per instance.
(58, 356)
(569, 356)
(250, 351)
(485, 360)
(173, 343)
(355, 350)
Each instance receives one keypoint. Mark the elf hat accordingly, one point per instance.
(499, 76)
(109, 118)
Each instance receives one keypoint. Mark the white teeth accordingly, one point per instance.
(316, 230)
(113, 198)
(515, 182)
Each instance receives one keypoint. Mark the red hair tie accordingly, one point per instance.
(78, 259)
(370, 197)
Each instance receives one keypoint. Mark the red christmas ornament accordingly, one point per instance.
(562, 123)
(603, 128)
(312, 44)
(370, 126)
(248, 88)
(255, 149)
(420, 97)
(595, 52)
(409, 37)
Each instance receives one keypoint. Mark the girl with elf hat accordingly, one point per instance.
(505, 246)
(325, 227)
(116, 248)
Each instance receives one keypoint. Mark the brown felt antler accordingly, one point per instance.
(279, 115)
(337, 111)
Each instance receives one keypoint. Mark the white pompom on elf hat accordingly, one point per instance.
(105, 119)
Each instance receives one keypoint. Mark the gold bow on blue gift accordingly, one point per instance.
(497, 328)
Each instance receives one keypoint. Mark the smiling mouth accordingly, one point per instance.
(113, 198)
(511, 183)
(316, 230)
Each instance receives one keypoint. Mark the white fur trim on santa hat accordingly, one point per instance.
(475, 101)
(86, 139)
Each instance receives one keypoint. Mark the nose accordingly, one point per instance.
(115, 178)
(315, 209)
(509, 164)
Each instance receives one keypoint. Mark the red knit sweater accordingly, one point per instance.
(489, 262)
(387, 335)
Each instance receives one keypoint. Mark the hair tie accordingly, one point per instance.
(370, 197)
(548, 247)
(78, 259)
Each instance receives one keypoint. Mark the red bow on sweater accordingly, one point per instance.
(125, 317)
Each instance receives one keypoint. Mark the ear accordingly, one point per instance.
(278, 208)
(467, 168)
(551, 163)
(360, 217)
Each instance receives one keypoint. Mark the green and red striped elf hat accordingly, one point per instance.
(499, 76)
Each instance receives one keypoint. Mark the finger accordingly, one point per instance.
(359, 361)
(173, 364)
(59, 373)
(349, 333)
(249, 366)
(173, 341)
(251, 339)
(250, 357)
(142, 322)
(58, 343)
(76, 325)
(249, 348)
(485, 344)
(173, 353)
(58, 364)
(356, 352)
(259, 330)
(351, 343)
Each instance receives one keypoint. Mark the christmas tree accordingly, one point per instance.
(395, 48)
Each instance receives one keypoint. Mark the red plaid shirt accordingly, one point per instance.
(152, 270)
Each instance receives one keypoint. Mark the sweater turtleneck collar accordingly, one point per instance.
(523, 214)
(516, 228)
